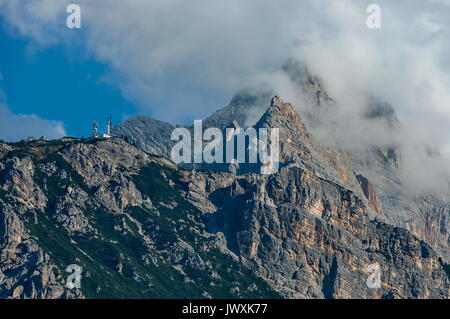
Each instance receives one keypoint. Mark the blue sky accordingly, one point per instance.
(55, 84)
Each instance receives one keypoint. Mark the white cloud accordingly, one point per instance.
(15, 127)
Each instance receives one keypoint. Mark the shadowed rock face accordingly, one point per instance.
(370, 194)
(148, 134)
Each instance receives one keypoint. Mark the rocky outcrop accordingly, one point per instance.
(308, 230)
(311, 238)
(115, 212)
(297, 146)
(370, 194)
(425, 215)
(17, 180)
(26, 270)
(150, 135)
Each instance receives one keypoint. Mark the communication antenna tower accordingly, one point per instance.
(108, 130)
(94, 129)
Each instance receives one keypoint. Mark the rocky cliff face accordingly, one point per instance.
(311, 231)
(140, 227)
(148, 134)
(311, 238)
(114, 211)
(373, 171)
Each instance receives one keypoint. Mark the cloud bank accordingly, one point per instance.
(15, 127)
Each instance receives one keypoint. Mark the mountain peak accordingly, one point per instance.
(276, 100)
(283, 115)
